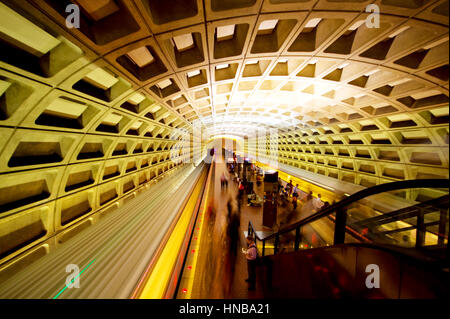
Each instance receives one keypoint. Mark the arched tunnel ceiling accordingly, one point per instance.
(230, 66)
(238, 65)
(90, 114)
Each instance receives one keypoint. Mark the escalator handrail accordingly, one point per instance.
(377, 189)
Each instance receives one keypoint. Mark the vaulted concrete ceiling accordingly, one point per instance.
(237, 65)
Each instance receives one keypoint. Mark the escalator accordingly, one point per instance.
(387, 241)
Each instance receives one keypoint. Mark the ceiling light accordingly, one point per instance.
(65, 108)
(313, 61)
(343, 65)
(397, 32)
(141, 56)
(136, 98)
(101, 79)
(222, 66)
(356, 25)
(163, 84)
(193, 73)
(401, 81)
(136, 125)
(112, 119)
(251, 62)
(371, 72)
(225, 32)
(439, 112)
(436, 43)
(313, 23)
(425, 94)
(268, 25)
(184, 42)
(20, 32)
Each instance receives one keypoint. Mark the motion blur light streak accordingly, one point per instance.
(155, 286)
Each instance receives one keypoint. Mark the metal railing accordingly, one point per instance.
(338, 214)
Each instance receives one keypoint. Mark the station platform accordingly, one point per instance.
(219, 278)
(223, 281)
(334, 267)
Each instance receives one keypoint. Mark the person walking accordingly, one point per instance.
(229, 208)
(233, 235)
(291, 187)
(294, 200)
(241, 189)
(251, 254)
(295, 190)
(318, 204)
(226, 179)
(308, 208)
(222, 181)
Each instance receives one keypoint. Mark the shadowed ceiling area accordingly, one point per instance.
(90, 114)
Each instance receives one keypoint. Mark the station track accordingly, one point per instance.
(114, 252)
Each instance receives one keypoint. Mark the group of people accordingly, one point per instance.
(294, 195)
(289, 191)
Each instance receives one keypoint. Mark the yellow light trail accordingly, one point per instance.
(156, 285)
(190, 281)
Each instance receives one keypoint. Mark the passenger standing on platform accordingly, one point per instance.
(227, 176)
(229, 208)
(295, 190)
(294, 200)
(223, 181)
(240, 196)
(241, 189)
(233, 236)
(286, 195)
(286, 189)
(251, 254)
(318, 204)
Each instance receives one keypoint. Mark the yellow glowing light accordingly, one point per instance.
(156, 285)
(190, 281)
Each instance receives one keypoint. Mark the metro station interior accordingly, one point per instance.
(121, 119)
